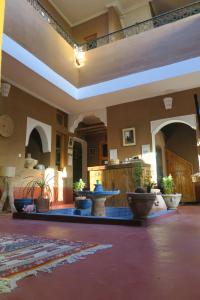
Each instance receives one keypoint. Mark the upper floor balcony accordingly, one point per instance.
(145, 45)
(161, 41)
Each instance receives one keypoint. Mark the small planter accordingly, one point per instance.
(172, 200)
(42, 204)
(141, 204)
(20, 203)
(83, 203)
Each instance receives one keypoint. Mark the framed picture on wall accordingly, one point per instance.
(128, 135)
(70, 142)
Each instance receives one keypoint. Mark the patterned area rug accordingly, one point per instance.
(22, 255)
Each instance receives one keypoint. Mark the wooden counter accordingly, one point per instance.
(116, 177)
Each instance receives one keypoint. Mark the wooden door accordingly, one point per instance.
(77, 161)
(103, 153)
(181, 170)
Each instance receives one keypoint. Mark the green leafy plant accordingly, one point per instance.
(79, 185)
(41, 183)
(137, 174)
(149, 184)
(168, 184)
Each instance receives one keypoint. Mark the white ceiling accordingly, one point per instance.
(78, 11)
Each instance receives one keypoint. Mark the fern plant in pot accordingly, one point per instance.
(172, 199)
(39, 190)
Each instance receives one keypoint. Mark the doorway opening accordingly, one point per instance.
(35, 148)
(90, 146)
(176, 154)
(94, 133)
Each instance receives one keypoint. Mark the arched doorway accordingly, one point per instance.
(91, 141)
(43, 129)
(35, 148)
(157, 125)
(94, 133)
(176, 154)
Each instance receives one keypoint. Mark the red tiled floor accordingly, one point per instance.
(158, 262)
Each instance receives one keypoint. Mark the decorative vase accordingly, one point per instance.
(98, 187)
(30, 163)
(172, 200)
(141, 204)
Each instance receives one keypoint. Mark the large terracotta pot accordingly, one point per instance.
(42, 204)
(172, 200)
(141, 204)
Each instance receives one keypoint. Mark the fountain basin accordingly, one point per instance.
(98, 198)
(114, 216)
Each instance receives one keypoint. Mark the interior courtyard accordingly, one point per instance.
(99, 149)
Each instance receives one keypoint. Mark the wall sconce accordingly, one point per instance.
(79, 56)
(168, 102)
(5, 89)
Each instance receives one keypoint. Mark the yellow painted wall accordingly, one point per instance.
(1, 29)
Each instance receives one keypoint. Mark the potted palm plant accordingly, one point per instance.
(171, 199)
(41, 188)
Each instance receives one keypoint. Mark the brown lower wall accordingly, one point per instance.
(139, 114)
(20, 105)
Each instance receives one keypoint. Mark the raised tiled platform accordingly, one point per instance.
(114, 215)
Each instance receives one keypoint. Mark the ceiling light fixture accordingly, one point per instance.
(79, 56)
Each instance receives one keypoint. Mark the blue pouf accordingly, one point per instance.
(20, 203)
(83, 204)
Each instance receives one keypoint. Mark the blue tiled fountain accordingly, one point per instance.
(98, 197)
(96, 213)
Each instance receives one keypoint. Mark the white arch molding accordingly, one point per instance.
(157, 125)
(74, 120)
(44, 131)
(84, 156)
